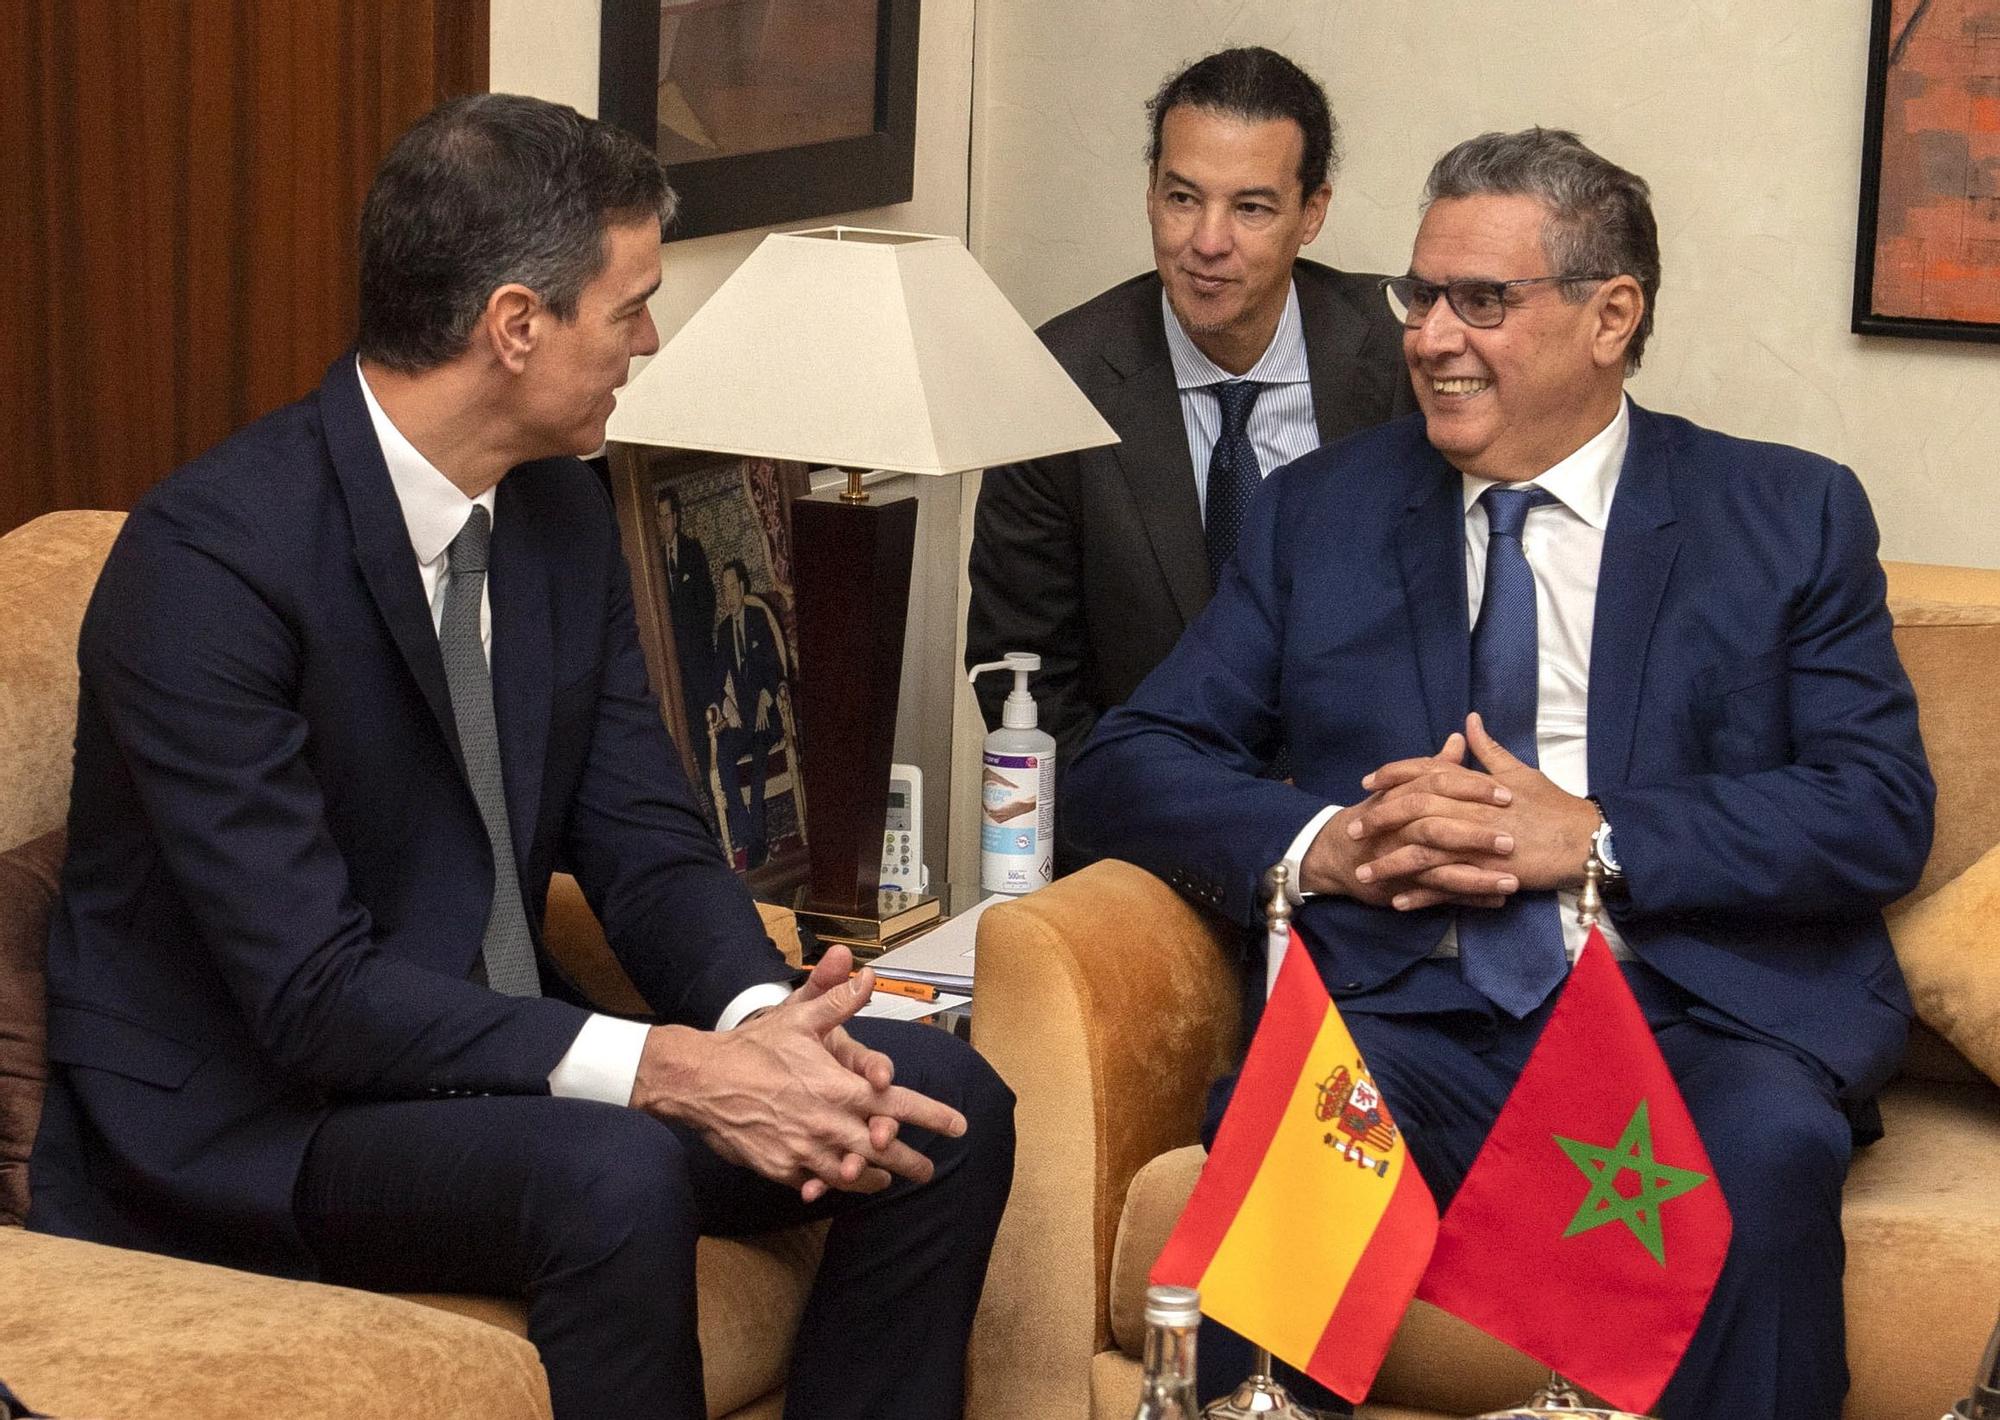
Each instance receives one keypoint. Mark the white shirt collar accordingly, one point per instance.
(1282, 363)
(1585, 481)
(433, 507)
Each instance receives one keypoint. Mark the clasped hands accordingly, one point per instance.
(790, 1094)
(1434, 831)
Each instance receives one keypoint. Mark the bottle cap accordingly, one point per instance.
(1172, 1306)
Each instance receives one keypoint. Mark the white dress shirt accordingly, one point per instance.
(1564, 544)
(603, 1061)
(1282, 424)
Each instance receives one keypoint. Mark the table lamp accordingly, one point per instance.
(858, 350)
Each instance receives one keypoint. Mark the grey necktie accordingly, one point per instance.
(509, 951)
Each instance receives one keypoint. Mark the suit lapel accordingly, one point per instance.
(1641, 541)
(1333, 333)
(1431, 546)
(1144, 407)
(382, 539)
(523, 657)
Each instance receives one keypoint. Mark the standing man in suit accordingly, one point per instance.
(1535, 627)
(1233, 356)
(749, 671)
(691, 606)
(354, 683)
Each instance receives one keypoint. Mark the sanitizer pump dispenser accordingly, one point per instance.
(1017, 785)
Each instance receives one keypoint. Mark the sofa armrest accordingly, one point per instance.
(1108, 1003)
(571, 933)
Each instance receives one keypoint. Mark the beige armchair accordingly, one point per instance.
(1109, 1003)
(107, 1332)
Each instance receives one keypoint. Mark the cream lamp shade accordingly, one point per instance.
(860, 349)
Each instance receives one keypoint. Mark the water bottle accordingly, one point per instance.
(1172, 1314)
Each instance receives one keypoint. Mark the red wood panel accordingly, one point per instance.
(179, 187)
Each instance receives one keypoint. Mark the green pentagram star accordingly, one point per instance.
(1657, 1183)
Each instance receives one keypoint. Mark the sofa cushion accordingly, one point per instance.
(753, 1292)
(27, 892)
(47, 570)
(1948, 635)
(93, 1330)
(1946, 946)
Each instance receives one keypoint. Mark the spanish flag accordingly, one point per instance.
(1310, 1225)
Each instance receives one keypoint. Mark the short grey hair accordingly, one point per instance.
(1600, 216)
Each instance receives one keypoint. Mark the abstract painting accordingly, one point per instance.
(1928, 252)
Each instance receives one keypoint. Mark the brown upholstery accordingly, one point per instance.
(1108, 1003)
(107, 1332)
(47, 568)
(27, 889)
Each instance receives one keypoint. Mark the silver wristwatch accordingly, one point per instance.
(1601, 852)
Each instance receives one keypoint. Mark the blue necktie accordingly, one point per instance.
(1233, 474)
(1511, 955)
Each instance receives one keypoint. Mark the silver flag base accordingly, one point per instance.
(1260, 1395)
(1557, 1397)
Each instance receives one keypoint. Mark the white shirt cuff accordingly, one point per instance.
(753, 998)
(1295, 856)
(602, 1062)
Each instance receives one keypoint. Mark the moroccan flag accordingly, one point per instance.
(1310, 1225)
(1591, 1229)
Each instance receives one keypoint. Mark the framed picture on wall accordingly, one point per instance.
(766, 111)
(1927, 254)
(708, 537)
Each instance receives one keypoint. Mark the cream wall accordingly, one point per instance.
(1745, 118)
(550, 48)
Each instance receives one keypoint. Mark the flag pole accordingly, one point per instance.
(1556, 1395)
(1260, 1395)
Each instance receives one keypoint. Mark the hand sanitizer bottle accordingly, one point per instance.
(1017, 787)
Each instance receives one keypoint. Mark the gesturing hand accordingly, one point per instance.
(791, 1095)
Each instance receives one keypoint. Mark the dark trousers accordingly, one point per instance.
(591, 1211)
(1773, 1340)
(746, 825)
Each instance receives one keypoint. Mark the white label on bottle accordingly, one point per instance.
(1016, 821)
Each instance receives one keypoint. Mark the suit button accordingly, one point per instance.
(1352, 986)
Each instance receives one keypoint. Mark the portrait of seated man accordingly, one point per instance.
(749, 713)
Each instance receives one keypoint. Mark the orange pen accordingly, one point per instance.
(915, 990)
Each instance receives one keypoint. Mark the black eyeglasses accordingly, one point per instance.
(1481, 304)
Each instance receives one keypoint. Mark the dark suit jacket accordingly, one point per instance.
(761, 667)
(1753, 738)
(690, 600)
(278, 879)
(1096, 560)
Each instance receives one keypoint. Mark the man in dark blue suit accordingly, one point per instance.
(354, 683)
(691, 608)
(748, 657)
(1538, 626)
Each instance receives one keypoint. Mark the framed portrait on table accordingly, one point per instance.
(708, 537)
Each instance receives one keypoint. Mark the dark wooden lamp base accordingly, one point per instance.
(851, 559)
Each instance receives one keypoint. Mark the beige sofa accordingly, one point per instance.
(105, 1332)
(1107, 1002)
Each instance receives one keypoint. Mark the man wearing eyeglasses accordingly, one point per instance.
(1538, 627)
(1232, 357)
